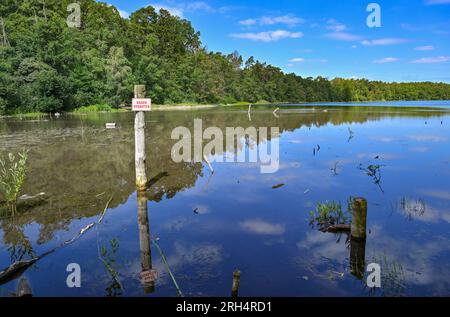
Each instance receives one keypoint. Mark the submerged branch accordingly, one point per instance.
(112, 272)
(18, 268)
(104, 210)
(180, 293)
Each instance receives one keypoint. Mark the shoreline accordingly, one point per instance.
(215, 106)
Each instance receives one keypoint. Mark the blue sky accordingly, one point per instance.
(327, 38)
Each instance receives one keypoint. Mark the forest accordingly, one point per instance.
(46, 66)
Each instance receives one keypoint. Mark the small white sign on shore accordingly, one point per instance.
(140, 104)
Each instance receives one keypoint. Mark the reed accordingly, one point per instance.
(13, 170)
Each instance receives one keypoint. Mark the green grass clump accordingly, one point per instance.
(12, 177)
(96, 108)
(331, 213)
(29, 115)
(240, 103)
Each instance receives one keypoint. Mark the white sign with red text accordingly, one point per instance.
(142, 104)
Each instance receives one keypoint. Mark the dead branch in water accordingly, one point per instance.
(16, 269)
(180, 293)
(104, 210)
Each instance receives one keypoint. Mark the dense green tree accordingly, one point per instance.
(47, 66)
(118, 75)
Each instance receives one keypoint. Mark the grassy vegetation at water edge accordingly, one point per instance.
(97, 108)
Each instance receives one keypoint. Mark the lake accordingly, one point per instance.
(206, 225)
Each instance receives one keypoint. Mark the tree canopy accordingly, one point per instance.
(47, 66)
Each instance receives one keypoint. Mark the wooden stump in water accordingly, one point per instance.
(236, 283)
(358, 237)
(359, 218)
(139, 132)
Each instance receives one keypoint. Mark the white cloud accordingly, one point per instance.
(433, 2)
(301, 60)
(289, 20)
(335, 26)
(386, 60)
(383, 41)
(425, 48)
(123, 14)
(227, 9)
(180, 9)
(428, 138)
(297, 60)
(200, 6)
(338, 32)
(432, 60)
(248, 22)
(269, 36)
(343, 36)
(259, 226)
(176, 11)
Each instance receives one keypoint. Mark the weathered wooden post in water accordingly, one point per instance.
(140, 104)
(148, 274)
(358, 237)
(359, 218)
(236, 283)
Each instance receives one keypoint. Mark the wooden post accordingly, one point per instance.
(359, 218)
(139, 132)
(357, 257)
(148, 275)
(236, 283)
(358, 237)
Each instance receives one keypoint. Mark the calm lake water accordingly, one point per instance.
(207, 225)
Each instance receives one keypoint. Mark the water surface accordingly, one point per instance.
(207, 225)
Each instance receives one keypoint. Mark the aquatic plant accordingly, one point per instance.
(373, 171)
(94, 108)
(351, 135)
(12, 177)
(108, 259)
(330, 214)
